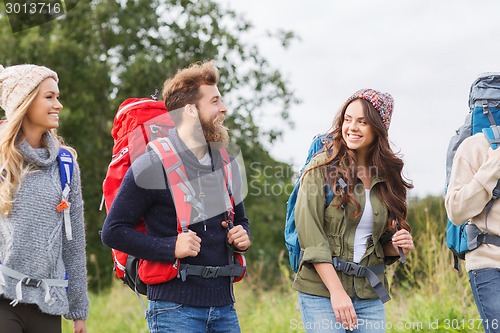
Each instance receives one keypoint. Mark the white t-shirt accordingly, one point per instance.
(205, 160)
(364, 230)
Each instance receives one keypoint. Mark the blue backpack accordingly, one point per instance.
(291, 238)
(484, 104)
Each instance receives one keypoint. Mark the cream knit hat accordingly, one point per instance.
(17, 82)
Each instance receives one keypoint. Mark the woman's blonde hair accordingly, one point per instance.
(12, 166)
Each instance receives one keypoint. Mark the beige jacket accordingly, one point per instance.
(473, 177)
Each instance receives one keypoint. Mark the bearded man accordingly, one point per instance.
(192, 302)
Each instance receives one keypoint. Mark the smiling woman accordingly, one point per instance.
(345, 244)
(42, 236)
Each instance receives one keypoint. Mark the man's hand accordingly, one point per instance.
(237, 236)
(187, 245)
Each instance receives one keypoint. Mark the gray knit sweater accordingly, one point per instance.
(33, 240)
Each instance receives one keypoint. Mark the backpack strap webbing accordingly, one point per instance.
(492, 134)
(489, 239)
(494, 195)
(368, 272)
(400, 250)
(182, 191)
(487, 112)
(228, 182)
(229, 204)
(209, 272)
(24, 279)
(66, 164)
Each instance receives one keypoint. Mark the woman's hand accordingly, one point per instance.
(344, 309)
(402, 238)
(341, 302)
(79, 326)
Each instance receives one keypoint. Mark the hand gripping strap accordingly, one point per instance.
(235, 259)
(66, 165)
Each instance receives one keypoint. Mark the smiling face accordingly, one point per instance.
(211, 111)
(356, 131)
(43, 113)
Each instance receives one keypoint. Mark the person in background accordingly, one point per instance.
(43, 273)
(474, 175)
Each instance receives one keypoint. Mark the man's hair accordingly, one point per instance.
(183, 88)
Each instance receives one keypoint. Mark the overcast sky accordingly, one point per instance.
(425, 53)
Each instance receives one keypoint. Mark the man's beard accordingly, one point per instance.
(215, 133)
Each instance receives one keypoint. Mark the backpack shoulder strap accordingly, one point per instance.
(492, 134)
(66, 165)
(228, 181)
(182, 191)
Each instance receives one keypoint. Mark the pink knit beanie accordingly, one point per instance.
(382, 102)
(17, 82)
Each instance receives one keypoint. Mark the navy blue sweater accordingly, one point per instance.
(144, 193)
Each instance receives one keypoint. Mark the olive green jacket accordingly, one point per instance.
(323, 234)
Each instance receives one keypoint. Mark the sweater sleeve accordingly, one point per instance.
(142, 183)
(309, 216)
(474, 175)
(74, 256)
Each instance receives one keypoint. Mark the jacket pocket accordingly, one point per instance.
(334, 220)
(335, 242)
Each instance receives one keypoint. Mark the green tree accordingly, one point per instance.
(105, 51)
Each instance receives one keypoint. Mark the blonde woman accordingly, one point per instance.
(42, 244)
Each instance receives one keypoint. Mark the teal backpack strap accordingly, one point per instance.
(492, 134)
(66, 164)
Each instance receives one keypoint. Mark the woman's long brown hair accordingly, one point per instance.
(341, 162)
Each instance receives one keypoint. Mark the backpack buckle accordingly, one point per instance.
(63, 205)
(210, 272)
(32, 282)
(349, 268)
(354, 269)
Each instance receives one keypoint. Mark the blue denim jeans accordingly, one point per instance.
(318, 316)
(485, 284)
(169, 317)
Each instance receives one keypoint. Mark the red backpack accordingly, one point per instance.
(141, 123)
